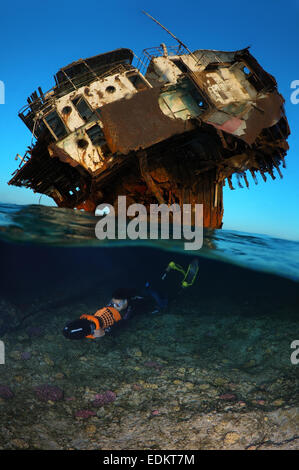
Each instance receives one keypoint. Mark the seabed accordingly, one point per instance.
(213, 372)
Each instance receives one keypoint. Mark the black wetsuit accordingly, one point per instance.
(144, 303)
(152, 298)
(137, 305)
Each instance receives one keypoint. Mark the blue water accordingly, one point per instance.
(219, 352)
(37, 224)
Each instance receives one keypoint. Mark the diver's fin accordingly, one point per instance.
(176, 267)
(191, 273)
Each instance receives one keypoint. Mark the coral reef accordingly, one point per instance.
(47, 392)
(102, 399)
(6, 392)
(209, 373)
(84, 414)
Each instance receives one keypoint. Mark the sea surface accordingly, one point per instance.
(212, 370)
(54, 226)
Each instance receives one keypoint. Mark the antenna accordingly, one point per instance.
(169, 32)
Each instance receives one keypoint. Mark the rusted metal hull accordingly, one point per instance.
(177, 134)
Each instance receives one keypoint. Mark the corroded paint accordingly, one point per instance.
(176, 134)
(138, 123)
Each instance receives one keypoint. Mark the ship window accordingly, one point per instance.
(40, 128)
(137, 81)
(110, 89)
(96, 135)
(182, 101)
(55, 123)
(82, 144)
(86, 113)
(66, 110)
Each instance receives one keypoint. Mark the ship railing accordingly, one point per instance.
(148, 54)
(73, 83)
(38, 103)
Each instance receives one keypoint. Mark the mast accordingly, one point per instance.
(169, 32)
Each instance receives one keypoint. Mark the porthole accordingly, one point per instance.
(66, 110)
(110, 89)
(82, 143)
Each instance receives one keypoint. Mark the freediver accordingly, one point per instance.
(126, 303)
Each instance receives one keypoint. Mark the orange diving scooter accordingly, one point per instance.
(92, 326)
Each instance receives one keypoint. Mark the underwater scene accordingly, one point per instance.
(209, 361)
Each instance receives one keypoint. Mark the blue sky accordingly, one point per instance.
(39, 38)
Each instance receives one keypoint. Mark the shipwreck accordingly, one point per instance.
(171, 127)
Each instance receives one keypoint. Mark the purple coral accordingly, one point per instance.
(84, 414)
(102, 399)
(35, 331)
(153, 364)
(47, 392)
(6, 392)
(25, 355)
(228, 396)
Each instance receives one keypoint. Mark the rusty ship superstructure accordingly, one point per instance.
(172, 128)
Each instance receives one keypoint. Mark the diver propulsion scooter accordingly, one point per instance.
(78, 329)
(86, 325)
